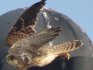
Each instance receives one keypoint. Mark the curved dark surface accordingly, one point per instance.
(80, 63)
(70, 31)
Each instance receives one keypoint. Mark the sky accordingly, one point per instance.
(80, 11)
